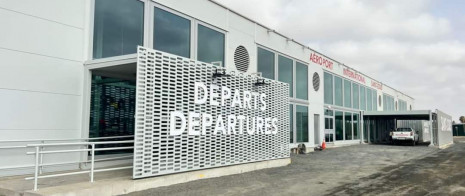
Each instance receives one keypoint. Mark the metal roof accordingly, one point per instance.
(401, 115)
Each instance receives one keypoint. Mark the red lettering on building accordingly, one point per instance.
(377, 85)
(321, 61)
(354, 75)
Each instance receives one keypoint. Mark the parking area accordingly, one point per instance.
(351, 170)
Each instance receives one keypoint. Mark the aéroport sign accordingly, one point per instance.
(224, 124)
(191, 115)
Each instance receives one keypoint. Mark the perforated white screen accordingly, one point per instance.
(165, 83)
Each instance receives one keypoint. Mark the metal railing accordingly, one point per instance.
(44, 141)
(39, 152)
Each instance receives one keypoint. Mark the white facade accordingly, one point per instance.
(46, 55)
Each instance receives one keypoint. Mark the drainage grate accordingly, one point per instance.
(241, 59)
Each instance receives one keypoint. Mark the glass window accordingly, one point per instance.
(369, 100)
(347, 94)
(301, 86)
(328, 123)
(171, 33)
(375, 103)
(338, 95)
(355, 96)
(339, 125)
(285, 72)
(210, 45)
(329, 113)
(291, 124)
(363, 101)
(328, 79)
(356, 126)
(302, 123)
(118, 27)
(348, 125)
(265, 63)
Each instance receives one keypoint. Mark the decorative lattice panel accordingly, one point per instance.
(165, 83)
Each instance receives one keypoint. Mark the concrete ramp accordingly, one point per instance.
(120, 182)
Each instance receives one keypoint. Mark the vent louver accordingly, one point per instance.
(241, 59)
(316, 81)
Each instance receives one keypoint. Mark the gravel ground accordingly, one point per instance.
(352, 170)
(441, 173)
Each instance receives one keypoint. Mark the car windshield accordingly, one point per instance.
(403, 130)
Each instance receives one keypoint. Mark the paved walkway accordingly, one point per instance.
(353, 170)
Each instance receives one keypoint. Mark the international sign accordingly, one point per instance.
(191, 115)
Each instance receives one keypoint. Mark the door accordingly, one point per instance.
(329, 129)
(316, 128)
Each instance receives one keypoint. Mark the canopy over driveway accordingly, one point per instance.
(378, 125)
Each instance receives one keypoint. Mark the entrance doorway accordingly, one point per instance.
(329, 126)
(112, 104)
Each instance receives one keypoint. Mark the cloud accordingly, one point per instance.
(405, 44)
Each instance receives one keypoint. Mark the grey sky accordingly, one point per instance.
(415, 46)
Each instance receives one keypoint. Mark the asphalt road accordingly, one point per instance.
(354, 170)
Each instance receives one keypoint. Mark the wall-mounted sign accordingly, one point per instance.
(189, 117)
(376, 85)
(227, 125)
(320, 60)
(354, 75)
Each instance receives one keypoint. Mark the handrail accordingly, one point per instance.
(74, 162)
(81, 143)
(68, 139)
(39, 158)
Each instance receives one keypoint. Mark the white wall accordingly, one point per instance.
(41, 77)
(43, 44)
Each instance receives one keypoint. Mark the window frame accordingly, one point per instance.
(90, 33)
(151, 7)
(277, 55)
(196, 31)
(295, 80)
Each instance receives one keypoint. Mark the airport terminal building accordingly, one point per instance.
(111, 69)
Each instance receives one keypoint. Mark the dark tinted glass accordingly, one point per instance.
(118, 27)
(210, 46)
(301, 86)
(265, 63)
(171, 33)
(285, 72)
(302, 123)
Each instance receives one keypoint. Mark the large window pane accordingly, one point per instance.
(374, 98)
(347, 94)
(291, 124)
(338, 95)
(301, 86)
(265, 63)
(355, 96)
(285, 72)
(302, 123)
(356, 126)
(210, 45)
(339, 125)
(348, 125)
(328, 79)
(369, 100)
(171, 33)
(363, 100)
(118, 27)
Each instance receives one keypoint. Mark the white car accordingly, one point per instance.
(405, 134)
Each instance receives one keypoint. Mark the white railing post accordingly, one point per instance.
(36, 171)
(92, 163)
(41, 161)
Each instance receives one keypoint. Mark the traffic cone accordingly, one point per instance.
(323, 145)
